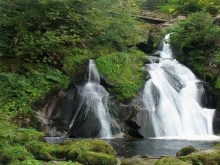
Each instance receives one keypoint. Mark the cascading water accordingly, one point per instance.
(172, 98)
(93, 100)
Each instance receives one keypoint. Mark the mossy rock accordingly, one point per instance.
(93, 158)
(210, 157)
(91, 152)
(45, 151)
(61, 163)
(96, 145)
(170, 161)
(186, 150)
(30, 162)
(24, 135)
(217, 146)
(14, 153)
(137, 161)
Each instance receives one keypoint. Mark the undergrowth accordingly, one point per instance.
(124, 71)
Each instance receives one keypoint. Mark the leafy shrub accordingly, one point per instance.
(124, 71)
(18, 92)
(175, 7)
(45, 31)
(196, 37)
(13, 153)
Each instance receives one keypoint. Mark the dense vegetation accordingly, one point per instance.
(198, 39)
(174, 7)
(123, 70)
(45, 42)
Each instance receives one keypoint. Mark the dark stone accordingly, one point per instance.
(147, 46)
(132, 124)
(217, 21)
(85, 125)
(173, 79)
(152, 59)
(55, 113)
(105, 83)
(216, 120)
(186, 150)
(127, 129)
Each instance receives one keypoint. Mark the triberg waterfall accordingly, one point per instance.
(91, 106)
(172, 99)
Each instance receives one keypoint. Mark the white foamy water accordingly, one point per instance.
(94, 98)
(172, 100)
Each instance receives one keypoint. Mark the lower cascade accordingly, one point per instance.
(172, 100)
(91, 110)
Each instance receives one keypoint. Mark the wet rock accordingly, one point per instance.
(55, 113)
(170, 161)
(85, 126)
(216, 120)
(152, 59)
(137, 161)
(186, 150)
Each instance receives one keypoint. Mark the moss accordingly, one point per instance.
(170, 161)
(217, 146)
(30, 162)
(14, 153)
(24, 135)
(94, 158)
(45, 151)
(186, 150)
(124, 71)
(204, 157)
(91, 152)
(90, 145)
(62, 163)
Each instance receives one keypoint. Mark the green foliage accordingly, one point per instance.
(124, 71)
(13, 153)
(175, 7)
(46, 31)
(18, 92)
(196, 37)
(217, 83)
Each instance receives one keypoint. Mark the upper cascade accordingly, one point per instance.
(93, 74)
(166, 48)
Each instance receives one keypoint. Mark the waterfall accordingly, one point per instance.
(93, 100)
(172, 98)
